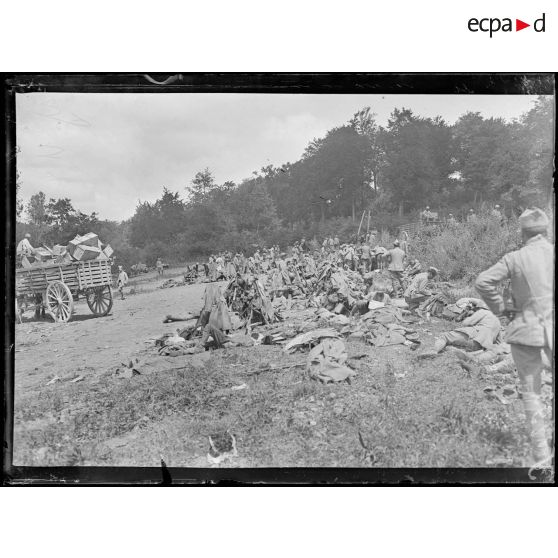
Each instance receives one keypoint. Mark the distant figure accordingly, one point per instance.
(380, 257)
(451, 220)
(471, 216)
(426, 215)
(122, 281)
(396, 267)
(413, 267)
(365, 255)
(24, 247)
(404, 242)
(159, 266)
(497, 214)
(349, 256)
(417, 291)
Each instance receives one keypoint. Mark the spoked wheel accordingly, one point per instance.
(59, 301)
(99, 300)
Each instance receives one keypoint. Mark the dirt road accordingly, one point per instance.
(91, 344)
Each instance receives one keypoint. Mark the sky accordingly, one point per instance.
(107, 151)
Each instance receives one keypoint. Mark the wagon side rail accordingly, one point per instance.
(36, 279)
(77, 276)
(94, 273)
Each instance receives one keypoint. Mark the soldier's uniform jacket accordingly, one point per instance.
(531, 270)
(483, 327)
(418, 286)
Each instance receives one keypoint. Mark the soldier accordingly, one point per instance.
(497, 214)
(471, 216)
(425, 215)
(480, 329)
(404, 242)
(396, 267)
(365, 255)
(24, 247)
(159, 266)
(121, 281)
(417, 291)
(530, 332)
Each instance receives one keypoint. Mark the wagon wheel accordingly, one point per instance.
(59, 301)
(99, 300)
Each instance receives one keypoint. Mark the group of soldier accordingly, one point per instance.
(530, 314)
(530, 270)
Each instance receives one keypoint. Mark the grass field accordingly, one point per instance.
(406, 412)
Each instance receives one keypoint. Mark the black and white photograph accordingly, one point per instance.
(358, 278)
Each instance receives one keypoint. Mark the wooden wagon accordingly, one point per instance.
(54, 286)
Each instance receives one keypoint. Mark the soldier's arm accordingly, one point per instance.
(473, 319)
(487, 285)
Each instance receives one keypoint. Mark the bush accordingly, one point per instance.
(463, 250)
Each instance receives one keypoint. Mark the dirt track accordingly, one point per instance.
(90, 344)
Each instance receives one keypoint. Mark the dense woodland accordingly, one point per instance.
(393, 171)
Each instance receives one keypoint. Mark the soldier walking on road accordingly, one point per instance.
(530, 332)
(122, 281)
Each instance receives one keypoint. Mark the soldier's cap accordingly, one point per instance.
(396, 242)
(27, 235)
(471, 210)
(433, 270)
(533, 219)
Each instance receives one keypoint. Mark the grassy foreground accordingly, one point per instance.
(409, 413)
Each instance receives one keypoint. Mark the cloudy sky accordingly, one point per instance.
(107, 151)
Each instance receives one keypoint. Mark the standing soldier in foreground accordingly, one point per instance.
(531, 270)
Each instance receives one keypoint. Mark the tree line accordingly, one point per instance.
(393, 171)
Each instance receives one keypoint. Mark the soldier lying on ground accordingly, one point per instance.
(480, 330)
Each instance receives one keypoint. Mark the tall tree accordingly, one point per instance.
(477, 142)
(538, 125)
(417, 159)
(161, 221)
(332, 178)
(364, 123)
(59, 211)
(202, 184)
(37, 210)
